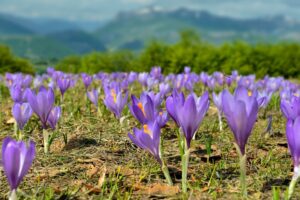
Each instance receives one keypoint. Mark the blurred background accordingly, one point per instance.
(260, 36)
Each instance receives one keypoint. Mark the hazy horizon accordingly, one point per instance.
(103, 10)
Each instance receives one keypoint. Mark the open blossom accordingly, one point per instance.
(22, 113)
(240, 111)
(164, 88)
(148, 138)
(93, 96)
(290, 107)
(188, 113)
(114, 100)
(293, 139)
(18, 94)
(217, 99)
(17, 158)
(175, 99)
(41, 103)
(64, 84)
(263, 98)
(144, 110)
(54, 117)
(87, 80)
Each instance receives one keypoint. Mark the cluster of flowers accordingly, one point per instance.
(152, 110)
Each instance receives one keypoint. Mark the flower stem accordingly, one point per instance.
(165, 170)
(243, 175)
(181, 143)
(99, 111)
(164, 167)
(46, 141)
(185, 163)
(243, 160)
(220, 121)
(292, 187)
(17, 131)
(293, 182)
(13, 195)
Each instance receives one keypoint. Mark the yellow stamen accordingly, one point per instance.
(113, 94)
(249, 93)
(147, 130)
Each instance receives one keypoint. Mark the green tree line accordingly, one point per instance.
(282, 59)
(11, 63)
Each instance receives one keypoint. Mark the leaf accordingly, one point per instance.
(92, 171)
(102, 177)
(160, 189)
(11, 121)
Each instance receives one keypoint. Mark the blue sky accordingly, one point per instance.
(98, 10)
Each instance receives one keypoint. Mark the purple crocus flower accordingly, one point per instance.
(263, 98)
(50, 71)
(18, 94)
(17, 158)
(93, 96)
(188, 113)
(54, 117)
(21, 113)
(217, 99)
(162, 118)
(228, 80)
(115, 101)
(148, 139)
(211, 82)
(156, 98)
(42, 103)
(87, 80)
(204, 78)
(142, 78)
(187, 70)
(156, 72)
(219, 77)
(173, 100)
(290, 108)
(63, 84)
(164, 88)
(144, 110)
(240, 111)
(132, 76)
(293, 139)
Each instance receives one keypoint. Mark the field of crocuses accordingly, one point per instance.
(149, 135)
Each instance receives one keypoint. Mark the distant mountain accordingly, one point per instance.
(56, 38)
(8, 26)
(47, 38)
(80, 41)
(150, 23)
(46, 26)
(36, 47)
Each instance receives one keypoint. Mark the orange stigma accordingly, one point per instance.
(146, 129)
(113, 94)
(141, 107)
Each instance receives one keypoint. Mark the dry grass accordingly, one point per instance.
(100, 162)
